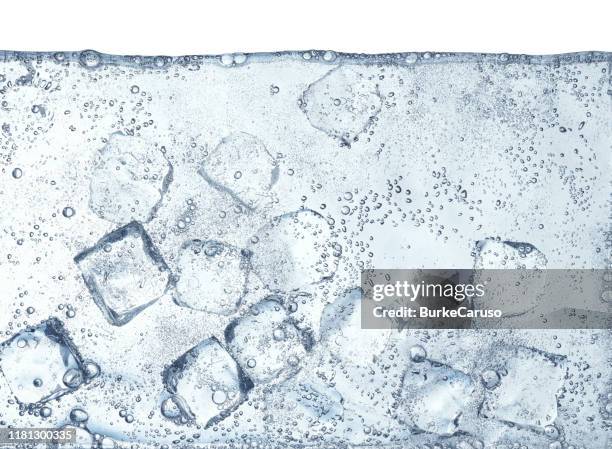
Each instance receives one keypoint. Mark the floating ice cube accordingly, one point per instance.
(343, 103)
(242, 167)
(206, 384)
(266, 343)
(303, 407)
(434, 398)
(124, 273)
(494, 254)
(130, 176)
(342, 334)
(211, 276)
(527, 390)
(294, 250)
(41, 363)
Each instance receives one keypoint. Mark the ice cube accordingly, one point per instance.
(303, 407)
(41, 363)
(434, 397)
(242, 167)
(506, 290)
(343, 103)
(124, 273)
(342, 334)
(366, 391)
(25, 107)
(211, 276)
(206, 384)
(266, 342)
(294, 250)
(529, 381)
(129, 178)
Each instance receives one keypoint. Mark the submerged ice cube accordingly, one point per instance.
(342, 334)
(130, 176)
(302, 406)
(294, 250)
(26, 106)
(211, 276)
(435, 397)
(266, 342)
(343, 103)
(124, 273)
(513, 292)
(41, 363)
(206, 384)
(526, 390)
(242, 167)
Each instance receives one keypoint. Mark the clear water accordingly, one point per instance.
(181, 238)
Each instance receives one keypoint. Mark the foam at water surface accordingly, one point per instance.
(197, 225)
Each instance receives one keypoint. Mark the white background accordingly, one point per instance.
(180, 27)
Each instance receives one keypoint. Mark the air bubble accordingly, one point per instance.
(169, 409)
(278, 334)
(90, 59)
(78, 415)
(411, 58)
(68, 212)
(219, 397)
(227, 60)
(72, 378)
(329, 56)
(240, 58)
(418, 354)
(91, 369)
